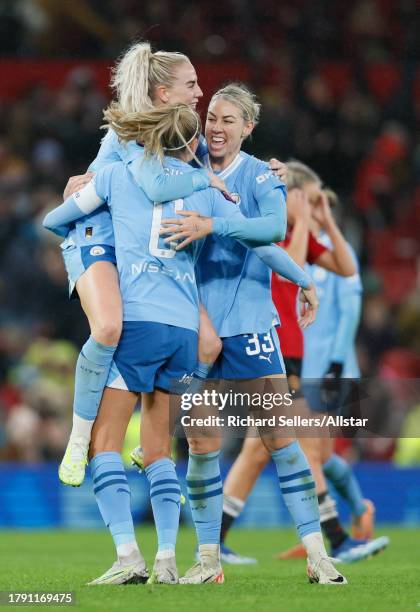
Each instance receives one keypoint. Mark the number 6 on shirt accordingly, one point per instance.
(154, 248)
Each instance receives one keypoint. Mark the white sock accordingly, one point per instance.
(82, 428)
(315, 546)
(232, 506)
(165, 554)
(128, 549)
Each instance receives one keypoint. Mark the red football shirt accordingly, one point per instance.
(284, 295)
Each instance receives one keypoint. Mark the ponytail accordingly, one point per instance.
(138, 73)
(163, 129)
(130, 79)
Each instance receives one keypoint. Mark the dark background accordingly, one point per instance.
(340, 87)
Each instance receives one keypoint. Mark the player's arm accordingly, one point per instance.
(349, 299)
(345, 334)
(281, 263)
(298, 214)
(228, 221)
(338, 259)
(160, 186)
(78, 205)
(270, 227)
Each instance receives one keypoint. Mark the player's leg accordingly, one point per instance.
(205, 494)
(165, 491)
(343, 546)
(170, 355)
(311, 449)
(111, 488)
(244, 357)
(99, 293)
(299, 493)
(209, 347)
(239, 482)
(341, 475)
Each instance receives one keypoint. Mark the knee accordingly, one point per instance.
(255, 455)
(201, 446)
(107, 331)
(312, 450)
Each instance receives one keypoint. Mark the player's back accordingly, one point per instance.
(157, 282)
(228, 269)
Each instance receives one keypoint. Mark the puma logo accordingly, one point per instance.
(264, 357)
(199, 507)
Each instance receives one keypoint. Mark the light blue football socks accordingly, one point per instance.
(113, 497)
(341, 475)
(92, 371)
(298, 488)
(205, 494)
(165, 497)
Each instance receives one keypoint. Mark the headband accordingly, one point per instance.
(197, 130)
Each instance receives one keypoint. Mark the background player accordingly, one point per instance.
(304, 185)
(330, 353)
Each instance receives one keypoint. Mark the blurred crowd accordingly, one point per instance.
(340, 89)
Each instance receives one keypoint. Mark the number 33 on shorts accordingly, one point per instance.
(260, 343)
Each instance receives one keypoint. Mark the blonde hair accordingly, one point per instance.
(138, 73)
(242, 98)
(169, 128)
(333, 199)
(298, 174)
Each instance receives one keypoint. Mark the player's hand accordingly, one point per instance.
(192, 227)
(308, 306)
(298, 207)
(321, 211)
(76, 183)
(331, 385)
(217, 182)
(278, 168)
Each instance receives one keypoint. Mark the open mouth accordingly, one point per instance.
(217, 142)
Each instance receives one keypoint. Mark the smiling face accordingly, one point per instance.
(225, 130)
(184, 90)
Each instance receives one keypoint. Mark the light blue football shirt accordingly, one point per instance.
(157, 283)
(234, 284)
(334, 292)
(96, 228)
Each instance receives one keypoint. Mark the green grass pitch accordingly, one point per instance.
(65, 561)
